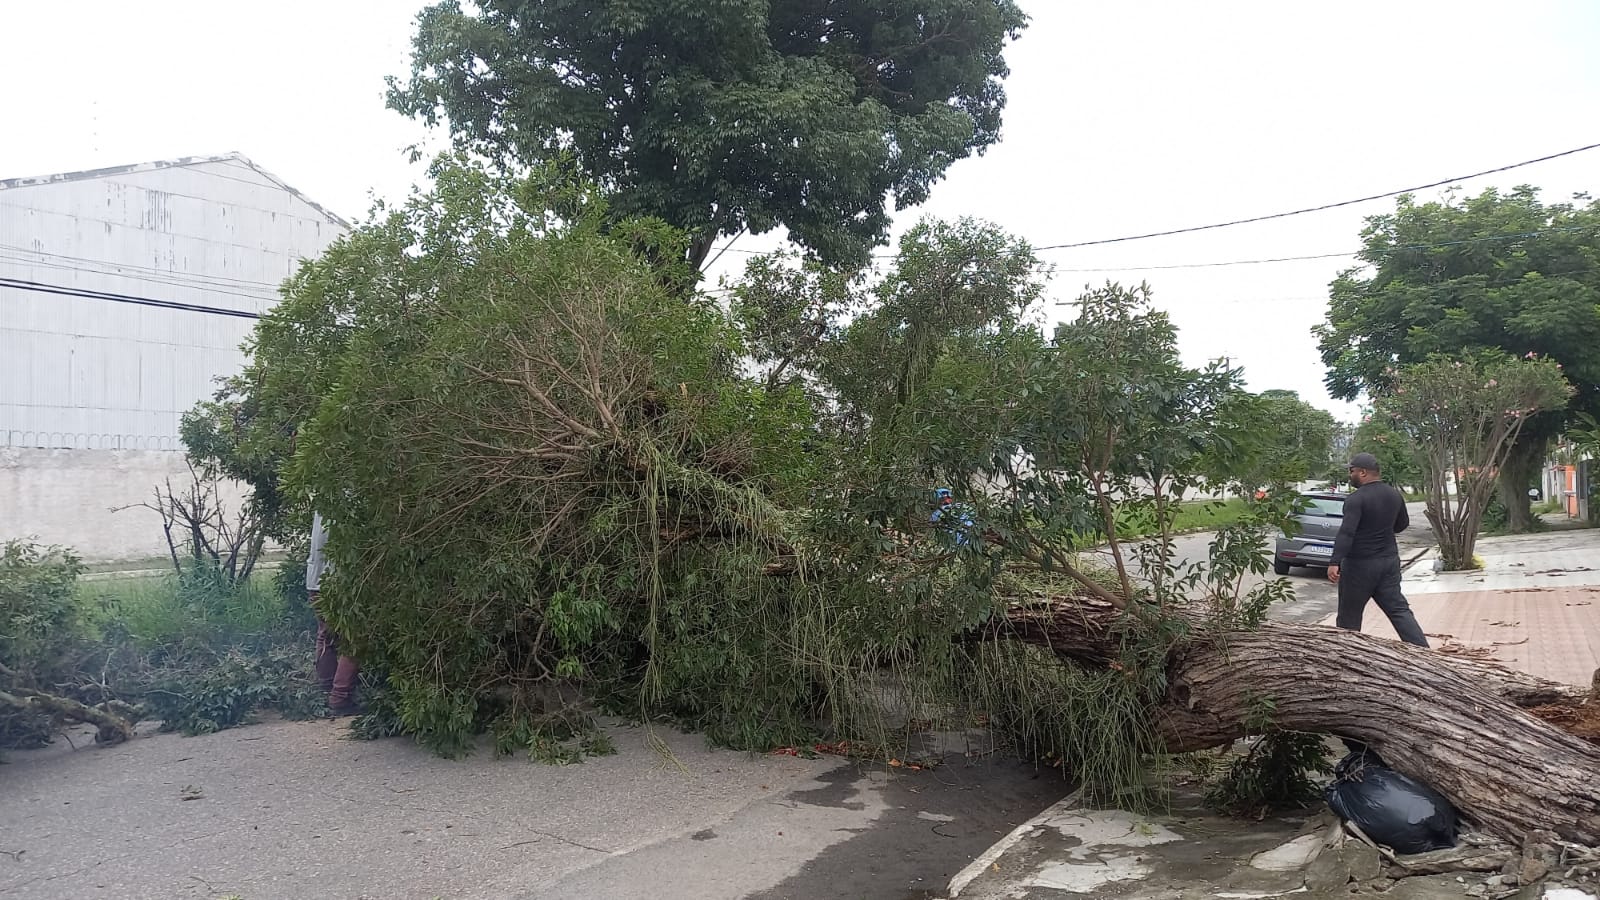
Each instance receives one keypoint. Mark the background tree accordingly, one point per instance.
(1497, 271)
(1466, 414)
(1271, 438)
(730, 116)
(1397, 453)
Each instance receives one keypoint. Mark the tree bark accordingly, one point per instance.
(1453, 723)
(114, 726)
(1516, 476)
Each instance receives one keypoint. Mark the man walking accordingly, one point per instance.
(1366, 560)
(335, 672)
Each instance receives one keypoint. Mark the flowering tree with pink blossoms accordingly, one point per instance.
(1463, 415)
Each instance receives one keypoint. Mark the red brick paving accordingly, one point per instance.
(1551, 632)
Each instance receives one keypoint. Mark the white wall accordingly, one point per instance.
(66, 496)
(80, 372)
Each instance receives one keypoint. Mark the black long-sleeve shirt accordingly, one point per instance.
(1373, 515)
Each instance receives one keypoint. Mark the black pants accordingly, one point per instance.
(1377, 579)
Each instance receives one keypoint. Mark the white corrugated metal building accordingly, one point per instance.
(124, 294)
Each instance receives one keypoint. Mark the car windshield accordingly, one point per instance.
(1321, 506)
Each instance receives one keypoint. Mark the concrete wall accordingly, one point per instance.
(66, 496)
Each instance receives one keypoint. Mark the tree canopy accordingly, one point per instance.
(1394, 448)
(1464, 415)
(726, 116)
(1497, 271)
(1271, 438)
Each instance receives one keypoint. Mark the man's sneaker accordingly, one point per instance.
(351, 708)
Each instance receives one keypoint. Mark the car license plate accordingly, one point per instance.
(1316, 550)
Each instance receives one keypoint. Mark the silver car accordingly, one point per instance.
(1312, 545)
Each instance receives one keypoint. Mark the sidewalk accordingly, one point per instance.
(1534, 606)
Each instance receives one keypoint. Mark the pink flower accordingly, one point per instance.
(1492, 383)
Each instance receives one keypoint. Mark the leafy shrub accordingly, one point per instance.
(1280, 771)
(41, 627)
(228, 690)
(40, 617)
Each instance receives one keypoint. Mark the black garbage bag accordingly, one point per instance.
(1392, 808)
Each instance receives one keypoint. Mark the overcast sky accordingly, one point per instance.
(1124, 118)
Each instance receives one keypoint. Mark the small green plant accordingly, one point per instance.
(1280, 771)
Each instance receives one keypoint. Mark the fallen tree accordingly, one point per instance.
(551, 478)
(1456, 723)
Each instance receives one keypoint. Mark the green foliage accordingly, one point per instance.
(1280, 771)
(554, 488)
(1465, 415)
(724, 117)
(788, 310)
(230, 689)
(1498, 272)
(40, 616)
(1398, 456)
(1584, 435)
(41, 627)
(1270, 438)
(198, 651)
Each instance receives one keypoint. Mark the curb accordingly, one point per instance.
(962, 879)
(1408, 563)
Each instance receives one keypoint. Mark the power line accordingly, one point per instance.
(1312, 256)
(192, 307)
(39, 287)
(198, 284)
(1326, 206)
(152, 269)
(1395, 249)
(1265, 218)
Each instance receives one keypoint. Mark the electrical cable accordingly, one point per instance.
(267, 295)
(1279, 215)
(246, 282)
(39, 287)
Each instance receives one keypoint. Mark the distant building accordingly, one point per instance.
(124, 294)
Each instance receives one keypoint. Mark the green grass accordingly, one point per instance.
(157, 611)
(1205, 515)
(1192, 515)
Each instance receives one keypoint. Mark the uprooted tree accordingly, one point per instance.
(552, 478)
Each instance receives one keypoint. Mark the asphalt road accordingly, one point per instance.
(1315, 597)
(296, 809)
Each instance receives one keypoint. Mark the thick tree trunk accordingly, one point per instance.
(1451, 722)
(1516, 476)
